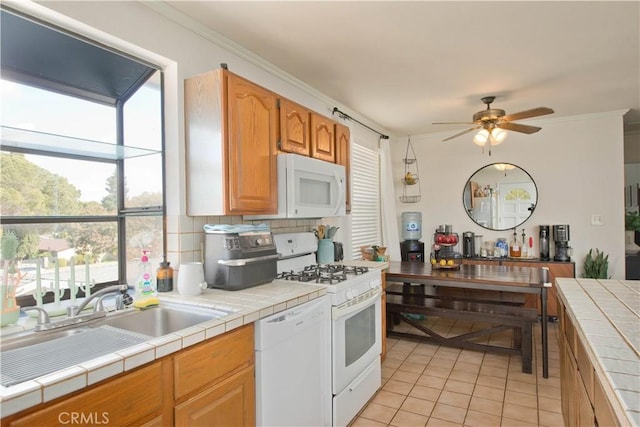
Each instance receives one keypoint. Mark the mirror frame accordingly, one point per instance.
(466, 195)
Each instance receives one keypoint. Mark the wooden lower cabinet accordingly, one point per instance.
(230, 403)
(584, 402)
(209, 384)
(214, 381)
(134, 398)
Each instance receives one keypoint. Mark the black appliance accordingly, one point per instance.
(544, 243)
(412, 250)
(561, 241)
(468, 244)
(338, 251)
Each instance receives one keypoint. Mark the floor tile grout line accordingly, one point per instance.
(405, 355)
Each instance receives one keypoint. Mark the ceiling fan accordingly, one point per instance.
(492, 120)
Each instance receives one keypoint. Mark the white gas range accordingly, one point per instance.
(355, 296)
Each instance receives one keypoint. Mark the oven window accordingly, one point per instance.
(360, 334)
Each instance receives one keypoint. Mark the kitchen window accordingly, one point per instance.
(81, 161)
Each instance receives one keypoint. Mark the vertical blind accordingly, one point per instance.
(365, 199)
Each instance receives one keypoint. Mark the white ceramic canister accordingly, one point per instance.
(191, 279)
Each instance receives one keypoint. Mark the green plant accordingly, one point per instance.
(596, 267)
(632, 221)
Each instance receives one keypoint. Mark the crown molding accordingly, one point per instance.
(218, 39)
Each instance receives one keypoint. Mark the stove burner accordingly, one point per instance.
(328, 274)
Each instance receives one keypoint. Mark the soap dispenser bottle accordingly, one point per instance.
(145, 285)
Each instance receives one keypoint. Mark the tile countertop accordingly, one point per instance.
(606, 315)
(248, 305)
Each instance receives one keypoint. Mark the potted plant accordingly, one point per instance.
(632, 231)
(596, 266)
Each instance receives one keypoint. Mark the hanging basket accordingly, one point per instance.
(409, 199)
(410, 179)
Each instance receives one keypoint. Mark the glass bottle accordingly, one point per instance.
(164, 277)
(514, 246)
(524, 252)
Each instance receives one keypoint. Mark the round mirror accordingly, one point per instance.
(500, 196)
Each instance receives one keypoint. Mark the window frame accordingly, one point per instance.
(122, 213)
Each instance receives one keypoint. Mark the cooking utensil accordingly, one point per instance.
(331, 231)
(321, 231)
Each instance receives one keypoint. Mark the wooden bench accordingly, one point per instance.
(404, 302)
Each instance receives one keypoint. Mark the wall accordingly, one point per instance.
(181, 53)
(576, 163)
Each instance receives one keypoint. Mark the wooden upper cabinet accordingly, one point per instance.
(230, 132)
(295, 130)
(323, 138)
(252, 121)
(343, 157)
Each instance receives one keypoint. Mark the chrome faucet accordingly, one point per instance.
(43, 316)
(74, 311)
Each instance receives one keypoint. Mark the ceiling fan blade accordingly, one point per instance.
(516, 127)
(453, 123)
(534, 112)
(461, 133)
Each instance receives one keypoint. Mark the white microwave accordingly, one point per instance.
(308, 188)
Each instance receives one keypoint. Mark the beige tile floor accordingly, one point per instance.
(430, 385)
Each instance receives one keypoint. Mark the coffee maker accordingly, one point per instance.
(468, 244)
(561, 240)
(544, 243)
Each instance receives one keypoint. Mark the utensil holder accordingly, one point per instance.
(325, 251)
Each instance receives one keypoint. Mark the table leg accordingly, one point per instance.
(545, 338)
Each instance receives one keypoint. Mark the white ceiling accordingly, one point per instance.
(404, 65)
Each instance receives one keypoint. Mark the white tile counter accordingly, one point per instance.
(248, 305)
(606, 315)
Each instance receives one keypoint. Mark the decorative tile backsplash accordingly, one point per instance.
(185, 234)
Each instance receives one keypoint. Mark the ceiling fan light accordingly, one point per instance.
(481, 138)
(498, 136)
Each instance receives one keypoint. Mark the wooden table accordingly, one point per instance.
(522, 280)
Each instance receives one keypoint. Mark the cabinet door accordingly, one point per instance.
(125, 400)
(568, 374)
(557, 270)
(199, 366)
(252, 116)
(230, 403)
(295, 130)
(323, 138)
(343, 157)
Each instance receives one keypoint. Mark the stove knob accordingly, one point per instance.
(350, 293)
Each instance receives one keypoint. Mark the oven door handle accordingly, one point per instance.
(346, 309)
(245, 261)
